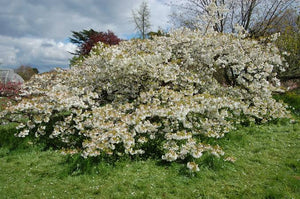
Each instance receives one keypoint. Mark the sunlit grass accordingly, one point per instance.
(267, 166)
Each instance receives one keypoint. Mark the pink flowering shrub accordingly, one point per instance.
(9, 89)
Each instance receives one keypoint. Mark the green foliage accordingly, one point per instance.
(82, 36)
(3, 102)
(9, 141)
(292, 98)
(289, 41)
(76, 59)
(159, 33)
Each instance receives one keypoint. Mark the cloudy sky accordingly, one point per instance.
(35, 32)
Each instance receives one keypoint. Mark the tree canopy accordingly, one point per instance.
(86, 39)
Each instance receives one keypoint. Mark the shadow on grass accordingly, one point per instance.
(10, 141)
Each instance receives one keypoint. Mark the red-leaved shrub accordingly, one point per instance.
(105, 37)
(9, 89)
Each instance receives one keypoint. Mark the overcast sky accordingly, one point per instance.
(35, 32)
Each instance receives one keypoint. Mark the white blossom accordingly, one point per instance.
(166, 90)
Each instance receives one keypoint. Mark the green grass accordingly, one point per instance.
(267, 166)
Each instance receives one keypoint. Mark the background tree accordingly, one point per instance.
(141, 19)
(256, 16)
(159, 33)
(26, 72)
(79, 38)
(289, 41)
(86, 39)
(274, 15)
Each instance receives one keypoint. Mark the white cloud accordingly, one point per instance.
(42, 53)
(159, 14)
(8, 55)
(57, 18)
(31, 30)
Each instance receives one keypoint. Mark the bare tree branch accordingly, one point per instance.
(253, 15)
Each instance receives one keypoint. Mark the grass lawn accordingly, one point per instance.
(267, 166)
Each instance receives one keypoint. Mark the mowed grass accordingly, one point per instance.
(267, 166)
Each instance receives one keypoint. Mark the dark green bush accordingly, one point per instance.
(292, 98)
(8, 139)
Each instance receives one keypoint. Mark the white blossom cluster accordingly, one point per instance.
(165, 91)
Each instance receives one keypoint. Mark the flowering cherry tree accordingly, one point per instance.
(163, 93)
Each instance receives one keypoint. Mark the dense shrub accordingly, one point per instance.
(157, 95)
(292, 98)
(9, 89)
(289, 45)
